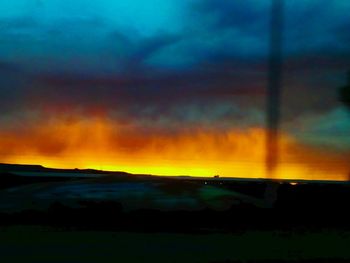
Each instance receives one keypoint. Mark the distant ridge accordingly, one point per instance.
(5, 168)
(31, 168)
(21, 168)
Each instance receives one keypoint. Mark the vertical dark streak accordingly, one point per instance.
(274, 87)
(273, 109)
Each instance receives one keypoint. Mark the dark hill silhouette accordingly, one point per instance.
(39, 168)
(20, 167)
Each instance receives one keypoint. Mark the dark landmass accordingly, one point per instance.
(12, 175)
(32, 194)
(77, 202)
(41, 169)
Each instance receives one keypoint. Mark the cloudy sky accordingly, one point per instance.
(161, 74)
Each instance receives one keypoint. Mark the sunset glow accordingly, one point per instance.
(102, 144)
(174, 87)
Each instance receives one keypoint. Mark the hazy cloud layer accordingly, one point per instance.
(169, 63)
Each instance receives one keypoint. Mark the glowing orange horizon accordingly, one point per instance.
(107, 145)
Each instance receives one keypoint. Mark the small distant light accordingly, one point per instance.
(293, 183)
(205, 183)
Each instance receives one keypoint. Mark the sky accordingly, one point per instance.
(171, 86)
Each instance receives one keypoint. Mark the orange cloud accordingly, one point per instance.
(101, 143)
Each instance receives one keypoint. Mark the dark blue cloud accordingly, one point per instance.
(168, 55)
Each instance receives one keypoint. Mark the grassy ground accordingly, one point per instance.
(38, 244)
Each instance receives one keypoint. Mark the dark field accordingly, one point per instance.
(41, 244)
(52, 215)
